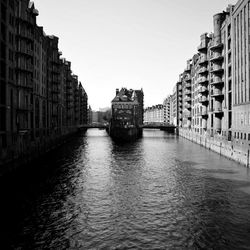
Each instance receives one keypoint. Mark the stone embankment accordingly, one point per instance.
(26, 151)
(233, 150)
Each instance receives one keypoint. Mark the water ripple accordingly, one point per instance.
(160, 192)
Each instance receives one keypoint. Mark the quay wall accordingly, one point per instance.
(26, 150)
(232, 150)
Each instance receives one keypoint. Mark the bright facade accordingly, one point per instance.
(212, 95)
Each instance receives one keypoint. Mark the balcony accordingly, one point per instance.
(204, 112)
(203, 89)
(188, 92)
(203, 60)
(217, 58)
(188, 85)
(203, 99)
(204, 126)
(218, 111)
(25, 34)
(217, 93)
(188, 99)
(203, 80)
(188, 69)
(188, 78)
(202, 47)
(217, 81)
(203, 71)
(25, 51)
(216, 46)
(217, 69)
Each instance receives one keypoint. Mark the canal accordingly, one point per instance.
(160, 192)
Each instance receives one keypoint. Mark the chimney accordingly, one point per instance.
(117, 91)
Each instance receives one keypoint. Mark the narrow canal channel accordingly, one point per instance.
(160, 192)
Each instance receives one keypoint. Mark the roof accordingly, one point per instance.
(125, 95)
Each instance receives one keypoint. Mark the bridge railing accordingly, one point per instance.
(158, 124)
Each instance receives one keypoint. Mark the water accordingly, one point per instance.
(160, 192)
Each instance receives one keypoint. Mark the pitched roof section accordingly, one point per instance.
(125, 95)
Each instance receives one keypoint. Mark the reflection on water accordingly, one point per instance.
(160, 192)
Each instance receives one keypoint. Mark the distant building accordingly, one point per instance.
(104, 109)
(168, 109)
(90, 115)
(95, 117)
(127, 107)
(154, 114)
(126, 114)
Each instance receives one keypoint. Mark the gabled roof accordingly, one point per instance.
(125, 95)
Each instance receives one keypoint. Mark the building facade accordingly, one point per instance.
(211, 98)
(154, 114)
(239, 77)
(168, 110)
(126, 115)
(41, 100)
(127, 108)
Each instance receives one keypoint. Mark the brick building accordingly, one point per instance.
(40, 99)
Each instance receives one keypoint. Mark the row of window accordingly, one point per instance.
(123, 106)
(242, 136)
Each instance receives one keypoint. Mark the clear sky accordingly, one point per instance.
(128, 43)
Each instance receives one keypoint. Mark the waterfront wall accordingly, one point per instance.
(232, 150)
(26, 151)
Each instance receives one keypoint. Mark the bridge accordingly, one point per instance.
(163, 126)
